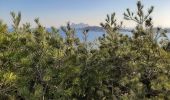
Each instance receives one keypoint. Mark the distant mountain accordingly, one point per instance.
(93, 28)
(78, 26)
(82, 26)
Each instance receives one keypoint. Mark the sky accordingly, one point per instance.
(92, 12)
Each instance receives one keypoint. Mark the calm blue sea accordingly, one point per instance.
(93, 35)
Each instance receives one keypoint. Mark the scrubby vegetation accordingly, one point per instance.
(36, 64)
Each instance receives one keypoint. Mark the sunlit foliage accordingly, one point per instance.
(38, 64)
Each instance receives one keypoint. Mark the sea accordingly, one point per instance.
(94, 35)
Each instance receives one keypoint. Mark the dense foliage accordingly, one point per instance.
(36, 64)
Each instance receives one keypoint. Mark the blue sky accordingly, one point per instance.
(92, 12)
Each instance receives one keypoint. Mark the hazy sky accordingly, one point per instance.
(92, 12)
